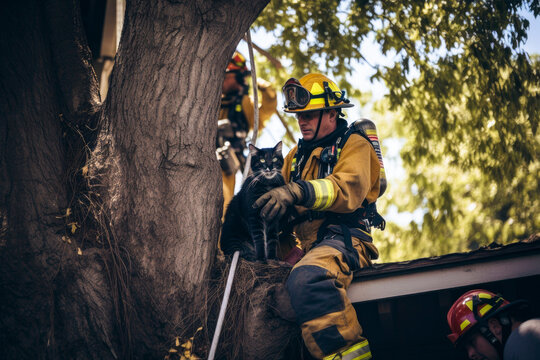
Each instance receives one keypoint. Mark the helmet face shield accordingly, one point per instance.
(296, 96)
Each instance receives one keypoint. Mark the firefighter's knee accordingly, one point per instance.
(313, 293)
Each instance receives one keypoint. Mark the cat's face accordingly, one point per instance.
(267, 161)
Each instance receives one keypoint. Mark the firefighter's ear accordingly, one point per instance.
(495, 327)
(333, 114)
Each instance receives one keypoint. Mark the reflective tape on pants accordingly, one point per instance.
(358, 351)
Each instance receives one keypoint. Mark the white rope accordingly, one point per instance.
(255, 104)
(223, 308)
(236, 255)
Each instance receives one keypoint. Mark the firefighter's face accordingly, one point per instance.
(230, 85)
(478, 348)
(308, 121)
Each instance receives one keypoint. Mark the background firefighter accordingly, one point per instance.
(330, 223)
(236, 118)
(489, 327)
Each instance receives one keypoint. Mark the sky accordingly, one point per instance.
(275, 131)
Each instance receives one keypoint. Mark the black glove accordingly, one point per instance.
(274, 203)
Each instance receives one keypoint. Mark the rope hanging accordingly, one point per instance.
(255, 104)
(232, 270)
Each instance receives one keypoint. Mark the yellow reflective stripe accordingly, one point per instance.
(464, 324)
(318, 193)
(324, 194)
(485, 309)
(360, 351)
(371, 132)
(316, 89)
(356, 347)
(317, 101)
(366, 356)
(293, 164)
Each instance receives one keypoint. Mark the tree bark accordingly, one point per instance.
(126, 282)
(48, 99)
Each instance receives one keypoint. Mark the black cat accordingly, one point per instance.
(243, 228)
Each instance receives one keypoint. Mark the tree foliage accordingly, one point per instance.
(462, 92)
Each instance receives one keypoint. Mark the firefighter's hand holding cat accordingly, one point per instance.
(274, 203)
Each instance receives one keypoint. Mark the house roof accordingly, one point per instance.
(491, 263)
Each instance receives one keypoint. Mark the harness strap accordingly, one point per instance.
(368, 211)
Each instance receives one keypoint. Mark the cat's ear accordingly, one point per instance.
(277, 149)
(253, 151)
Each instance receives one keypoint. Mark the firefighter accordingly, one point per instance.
(236, 119)
(329, 223)
(489, 327)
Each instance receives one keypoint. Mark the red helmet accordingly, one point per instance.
(238, 64)
(471, 308)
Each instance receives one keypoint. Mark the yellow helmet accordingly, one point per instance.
(313, 92)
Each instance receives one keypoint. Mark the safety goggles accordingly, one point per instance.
(298, 97)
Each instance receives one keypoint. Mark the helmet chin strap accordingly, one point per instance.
(504, 321)
(491, 338)
(506, 325)
(318, 126)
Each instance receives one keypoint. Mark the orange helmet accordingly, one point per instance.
(473, 308)
(238, 64)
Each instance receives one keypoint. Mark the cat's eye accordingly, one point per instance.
(274, 159)
(262, 160)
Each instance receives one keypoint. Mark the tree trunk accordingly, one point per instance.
(48, 94)
(113, 262)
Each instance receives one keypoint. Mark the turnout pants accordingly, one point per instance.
(318, 286)
(228, 189)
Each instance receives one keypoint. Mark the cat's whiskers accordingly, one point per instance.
(256, 179)
(263, 175)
